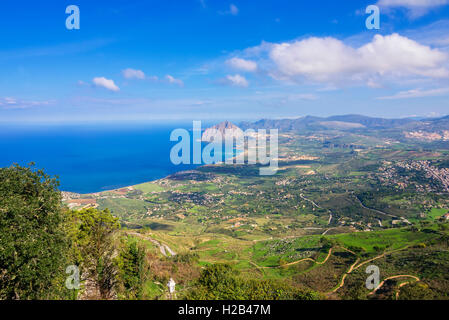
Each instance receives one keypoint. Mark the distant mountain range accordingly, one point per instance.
(348, 122)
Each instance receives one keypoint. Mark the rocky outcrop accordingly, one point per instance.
(225, 128)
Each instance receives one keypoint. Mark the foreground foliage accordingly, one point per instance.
(222, 282)
(32, 238)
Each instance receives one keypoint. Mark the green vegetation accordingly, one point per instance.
(148, 187)
(93, 248)
(222, 282)
(133, 270)
(32, 238)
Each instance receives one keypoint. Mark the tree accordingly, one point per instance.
(326, 243)
(93, 248)
(356, 291)
(32, 236)
(132, 270)
(416, 291)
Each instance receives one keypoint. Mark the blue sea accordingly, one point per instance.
(93, 157)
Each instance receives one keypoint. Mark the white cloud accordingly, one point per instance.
(443, 41)
(237, 81)
(412, 3)
(298, 96)
(242, 64)
(9, 100)
(105, 83)
(435, 34)
(416, 8)
(133, 74)
(233, 10)
(332, 61)
(13, 103)
(417, 93)
(173, 80)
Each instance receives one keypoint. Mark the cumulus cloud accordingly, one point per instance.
(105, 83)
(133, 74)
(332, 61)
(173, 80)
(236, 81)
(416, 8)
(242, 64)
(417, 93)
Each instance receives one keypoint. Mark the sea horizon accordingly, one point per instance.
(90, 158)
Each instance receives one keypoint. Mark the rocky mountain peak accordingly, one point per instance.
(225, 128)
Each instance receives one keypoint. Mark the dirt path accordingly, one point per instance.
(260, 240)
(355, 266)
(394, 277)
(380, 256)
(342, 281)
(327, 230)
(296, 262)
(399, 288)
(310, 259)
(259, 268)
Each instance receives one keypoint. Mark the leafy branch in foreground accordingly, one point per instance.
(32, 238)
(93, 250)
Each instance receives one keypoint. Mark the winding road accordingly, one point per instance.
(319, 207)
(375, 210)
(163, 248)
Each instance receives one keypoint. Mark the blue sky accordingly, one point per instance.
(236, 60)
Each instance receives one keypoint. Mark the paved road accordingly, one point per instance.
(162, 247)
(375, 210)
(319, 207)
